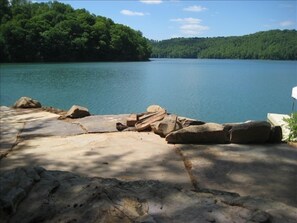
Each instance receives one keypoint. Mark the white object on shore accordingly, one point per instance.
(294, 92)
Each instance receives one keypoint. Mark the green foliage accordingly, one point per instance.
(36, 32)
(292, 123)
(274, 44)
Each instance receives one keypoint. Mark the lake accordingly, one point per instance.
(211, 90)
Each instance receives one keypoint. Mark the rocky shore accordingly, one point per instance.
(71, 166)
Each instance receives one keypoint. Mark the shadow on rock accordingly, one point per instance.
(38, 195)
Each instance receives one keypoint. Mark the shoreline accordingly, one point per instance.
(76, 112)
(57, 148)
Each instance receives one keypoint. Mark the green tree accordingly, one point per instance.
(54, 31)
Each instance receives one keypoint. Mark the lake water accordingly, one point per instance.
(210, 90)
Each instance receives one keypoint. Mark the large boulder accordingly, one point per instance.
(199, 134)
(77, 112)
(169, 124)
(250, 132)
(26, 102)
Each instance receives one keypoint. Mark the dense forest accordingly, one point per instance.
(274, 44)
(36, 32)
(53, 31)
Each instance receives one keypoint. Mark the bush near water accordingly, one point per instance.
(292, 124)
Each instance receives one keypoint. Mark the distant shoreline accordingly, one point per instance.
(149, 60)
(272, 45)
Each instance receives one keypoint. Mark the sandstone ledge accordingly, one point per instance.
(38, 195)
(140, 158)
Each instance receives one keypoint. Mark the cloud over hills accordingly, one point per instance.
(286, 23)
(190, 26)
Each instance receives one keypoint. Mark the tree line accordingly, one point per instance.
(273, 44)
(53, 31)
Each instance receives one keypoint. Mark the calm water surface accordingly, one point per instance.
(210, 90)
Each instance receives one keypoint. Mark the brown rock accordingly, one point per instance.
(169, 124)
(154, 108)
(147, 120)
(26, 102)
(131, 120)
(250, 132)
(207, 133)
(77, 112)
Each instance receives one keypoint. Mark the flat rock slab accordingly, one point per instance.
(269, 171)
(37, 195)
(50, 127)
(24, 115)
(32, 123)
(102, 123)
(8, 136)
(12, 122)
(123, 155)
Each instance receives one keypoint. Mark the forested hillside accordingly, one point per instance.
(34, 32)
(274, 44)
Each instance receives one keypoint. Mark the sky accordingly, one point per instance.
(165, 19)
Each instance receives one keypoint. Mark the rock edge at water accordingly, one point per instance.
(26, 102)
(180, 131)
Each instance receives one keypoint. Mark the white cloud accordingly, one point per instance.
(131, 13)
(190, 26)
(186, 20)
(193, 29)
(286, 23)
(151, 1)
(195, 8)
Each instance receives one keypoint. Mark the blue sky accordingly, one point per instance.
(164, 19)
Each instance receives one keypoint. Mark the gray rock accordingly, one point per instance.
(187, 122)
(77, 112)
(65, 197)
(250, 132)
(229, 126)
(26, 102)
(50, 127)
(169, 124)
(15, 186)
(198, 134)
(131, 120)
